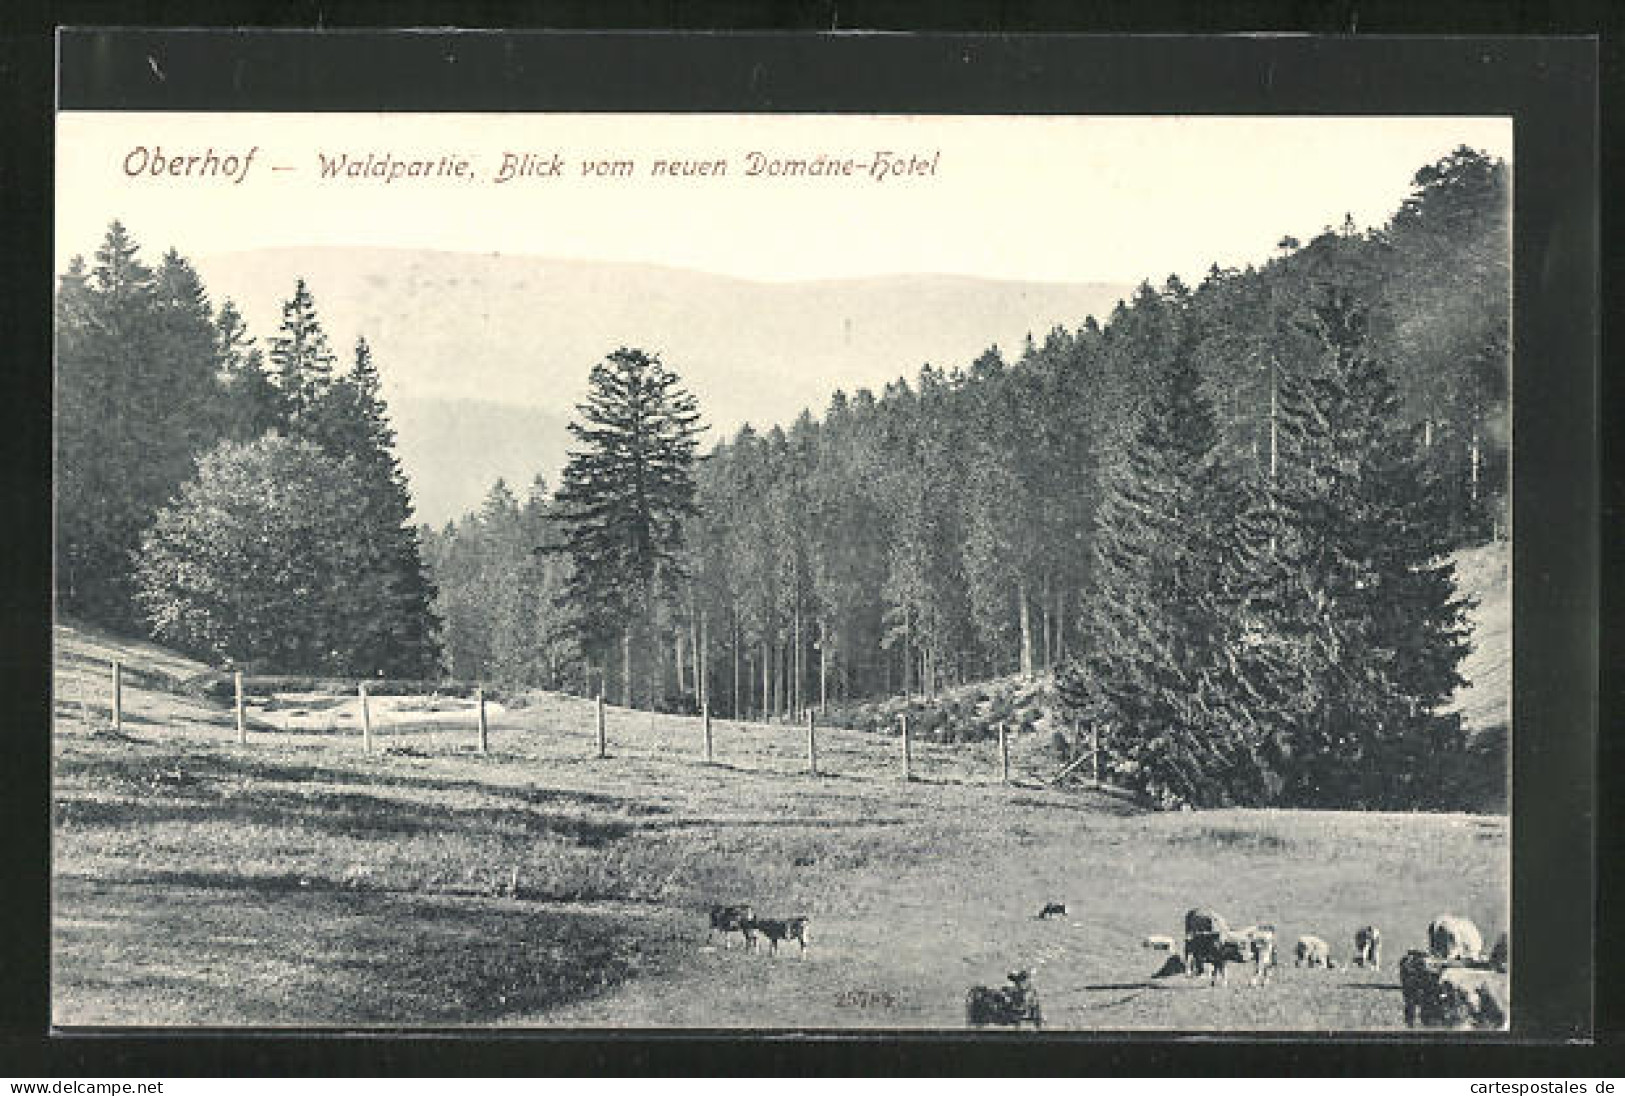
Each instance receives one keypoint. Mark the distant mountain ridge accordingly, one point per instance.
(484, 356)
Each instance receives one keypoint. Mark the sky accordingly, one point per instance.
(1041, 198)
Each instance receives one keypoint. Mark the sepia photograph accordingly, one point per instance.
(782, 571)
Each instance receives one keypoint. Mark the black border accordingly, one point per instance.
(1546, 84)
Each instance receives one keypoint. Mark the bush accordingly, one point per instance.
(257, 560)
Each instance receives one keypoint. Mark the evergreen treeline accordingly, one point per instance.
(1219, 517)
(499, 596)
(951, 528)
(1200, 508)
(235, 505)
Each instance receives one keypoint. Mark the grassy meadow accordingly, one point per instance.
(298, 881)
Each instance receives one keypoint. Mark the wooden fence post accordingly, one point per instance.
(479, 695)
(84, 707)
(705, 718)
(1094, 751)
(1004, 753)
(118, 695)
(366, 719)
(242, 724)
(908, 773)
(812, 744)
(603, 739)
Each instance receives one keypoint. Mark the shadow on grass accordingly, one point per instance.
(236, 767)
(343, 814)
(1090, 801)
(232, 952)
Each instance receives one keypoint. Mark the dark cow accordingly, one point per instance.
(1210, 944)
(1212, 952)
(1203, 928)
(1453, 993)
(778, 930)
(1008, 1006)
(728, 919)
(1368, 947)
(1052, 909)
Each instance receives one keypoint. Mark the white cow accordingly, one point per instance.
(1452, 937)
(1312, 951)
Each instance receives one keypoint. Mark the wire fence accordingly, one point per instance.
(439, 718)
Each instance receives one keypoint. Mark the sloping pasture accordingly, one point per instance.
(298, 881)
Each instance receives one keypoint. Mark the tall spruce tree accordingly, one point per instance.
(1359, 588)
(393, 625)
(624, 497)
(1155, 672)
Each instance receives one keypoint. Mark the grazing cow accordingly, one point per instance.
(1052, 909)
(1214, 951)
(1452, 993)
(1203, 928)
(727, 919)
(1452, 937)
(1368, 947)
(1158, 943)
(778, 930)
(1312, 951)
(1501, 953)
(1008, 1006)
(1257, 943)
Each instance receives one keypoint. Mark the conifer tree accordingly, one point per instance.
(184, 340)
(1155, 671)
(625, 494)
(545, 652)
(1360, 589)
(390, 605)
(136, 385)
(301, 360)
(250, 403)
(1450, 337)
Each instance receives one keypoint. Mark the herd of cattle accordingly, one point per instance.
(1451, 984)
(1211, 946)
(1454, 983)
